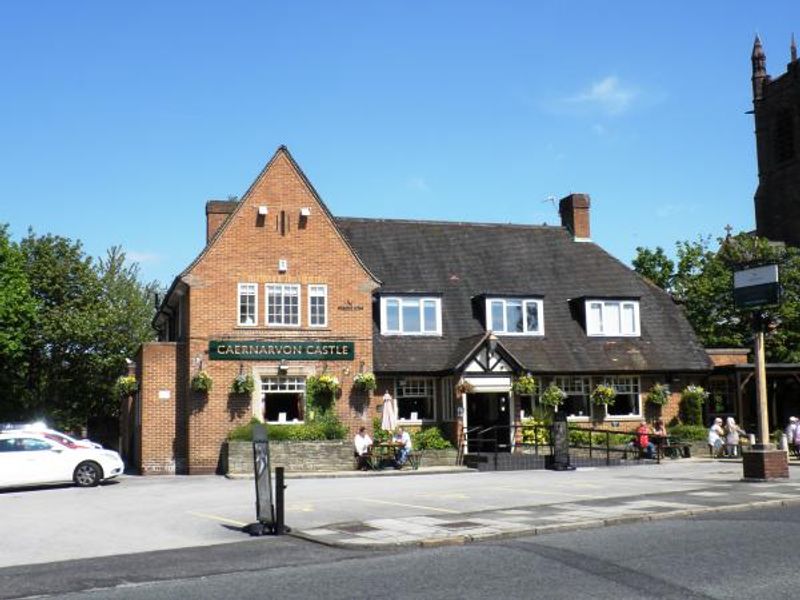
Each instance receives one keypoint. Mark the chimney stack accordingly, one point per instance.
(574, 211)
(217, 211)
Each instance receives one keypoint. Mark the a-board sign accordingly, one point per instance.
(261, 467)
(756, 287)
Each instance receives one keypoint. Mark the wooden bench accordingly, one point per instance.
(673, 448)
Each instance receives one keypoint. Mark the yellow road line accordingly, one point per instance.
(444, 510)
(215, 518)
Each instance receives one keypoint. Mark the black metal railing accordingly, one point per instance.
(535, 439)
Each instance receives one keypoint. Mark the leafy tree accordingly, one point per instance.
(701, 279)
(83, 320)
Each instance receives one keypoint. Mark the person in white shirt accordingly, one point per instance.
(791, 429)
(715, 433)
(363, 444)
(402, 454)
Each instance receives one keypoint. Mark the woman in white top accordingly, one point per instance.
(715, 433)
(732, 433)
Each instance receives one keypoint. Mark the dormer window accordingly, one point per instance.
(515, 316)
(411, 315)
(612, 318)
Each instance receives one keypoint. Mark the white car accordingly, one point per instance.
(28, 458)
(42, 428)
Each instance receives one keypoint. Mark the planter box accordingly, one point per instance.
(314, 457)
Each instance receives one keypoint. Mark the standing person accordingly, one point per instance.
(403, 438)
(643, 440)
(363, 444)
(791, 429)
(732, 433)
(715, 434)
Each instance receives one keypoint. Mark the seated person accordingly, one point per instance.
(403, 451)
(642, 440)
(363, 444)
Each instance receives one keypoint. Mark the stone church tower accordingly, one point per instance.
(776, 106)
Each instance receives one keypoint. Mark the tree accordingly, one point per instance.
(88, 317)
(702, 281)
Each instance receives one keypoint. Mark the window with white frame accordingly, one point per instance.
(415, 399)
(248, 304)
(627, 402)
(318, 305)
(612, 317)
(283, 399)
(577, 389)
(411, 315)
(283, 304)
(514, 316)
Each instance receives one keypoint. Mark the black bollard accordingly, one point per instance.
(280, 529)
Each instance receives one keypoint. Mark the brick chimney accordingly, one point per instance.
(574, 211)
(216, 213)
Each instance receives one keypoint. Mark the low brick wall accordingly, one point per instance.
(313, 457)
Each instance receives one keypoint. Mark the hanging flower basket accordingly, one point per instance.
(202, 382)
(694, 393)
(553, 396)
(325, 384)
(365, 381)
(243, 384)
(603, 395)
(464, 387)
(126, 385)
(658, 395)
(525, 385)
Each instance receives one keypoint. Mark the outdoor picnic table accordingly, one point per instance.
(384, 451)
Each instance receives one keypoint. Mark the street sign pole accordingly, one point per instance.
(761, 384)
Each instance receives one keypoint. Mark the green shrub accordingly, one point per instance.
(430, 438)
(379, 435)
(535, 431)
(689, 433)
(580, 437)
(690, 409)
(323, 427)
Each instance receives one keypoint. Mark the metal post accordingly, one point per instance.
(590, 443)
(608, 448)
(761, 386)
(279, 487)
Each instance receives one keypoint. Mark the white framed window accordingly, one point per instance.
(611, 318)
(248, 304)
(318, 305)
(283, 399)
(283, 304)
(577, 389)
(416, 399)
(628, 402)
(515, 316)
(411, 315)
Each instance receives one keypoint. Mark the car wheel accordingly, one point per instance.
(87, 474)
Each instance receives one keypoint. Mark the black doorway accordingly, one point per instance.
(489, 412)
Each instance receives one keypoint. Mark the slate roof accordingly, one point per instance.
(461, 261)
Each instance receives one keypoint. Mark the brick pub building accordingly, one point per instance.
(284, 290)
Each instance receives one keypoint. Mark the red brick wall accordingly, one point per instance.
(248, 251)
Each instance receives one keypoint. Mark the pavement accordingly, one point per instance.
(710, 494)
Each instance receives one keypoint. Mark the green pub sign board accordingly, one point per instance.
(280, 350)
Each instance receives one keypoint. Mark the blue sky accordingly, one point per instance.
(119, 120)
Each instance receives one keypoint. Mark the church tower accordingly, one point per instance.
(776, 106)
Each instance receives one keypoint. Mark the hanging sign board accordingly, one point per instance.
(756, 287)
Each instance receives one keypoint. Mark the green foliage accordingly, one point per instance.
(365, 381)
(603, 395)
(690, 410)
(524, 385)
(430, 438)
(535, 431)
(67, 325)
(689, 433)
(702, 281)
(379, 434)
(321, 393)
(243, 384)
(126, 385)
(202, 382)
(324, 427)
(581, 437)
(553, 396)
(658, 395)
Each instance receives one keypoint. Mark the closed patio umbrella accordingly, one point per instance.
(389, 418)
